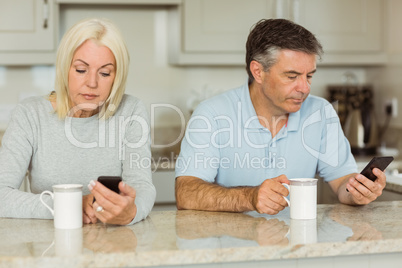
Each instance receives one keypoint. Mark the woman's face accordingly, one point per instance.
(90, 78)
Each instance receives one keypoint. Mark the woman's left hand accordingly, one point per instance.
(111, 207)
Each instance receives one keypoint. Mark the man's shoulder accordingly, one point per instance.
(224, 101)
(313, 103)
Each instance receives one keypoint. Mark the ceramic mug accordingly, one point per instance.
(303, 198)
(67, 200)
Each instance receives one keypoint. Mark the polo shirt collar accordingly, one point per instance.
(249, 116)
(294, 121)
(248, 112)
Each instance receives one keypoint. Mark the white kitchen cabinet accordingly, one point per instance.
(214, 32)
(351, 32)
(28, 32)
(221, 25)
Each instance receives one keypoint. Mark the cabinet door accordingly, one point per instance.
(344, 26)
(221, 25)
(26, 25)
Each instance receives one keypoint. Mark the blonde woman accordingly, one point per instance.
(86, 128)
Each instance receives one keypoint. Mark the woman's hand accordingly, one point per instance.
(111, 207)
(88, 214)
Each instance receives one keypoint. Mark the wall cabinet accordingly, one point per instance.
(28, 32)
(215, 31)
(221, 25)
(351, 32)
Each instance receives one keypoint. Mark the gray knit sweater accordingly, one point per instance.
(74, 150)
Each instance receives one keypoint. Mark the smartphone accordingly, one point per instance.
(380, 162)
(111, 182)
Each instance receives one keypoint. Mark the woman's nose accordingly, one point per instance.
(92, 80)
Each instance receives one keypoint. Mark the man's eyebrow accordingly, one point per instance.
(297, 73)
(87, 64)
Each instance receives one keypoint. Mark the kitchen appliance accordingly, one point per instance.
(356, 112)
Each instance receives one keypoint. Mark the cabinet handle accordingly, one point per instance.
(45, 13)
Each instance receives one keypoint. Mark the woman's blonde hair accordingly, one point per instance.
(104, 33)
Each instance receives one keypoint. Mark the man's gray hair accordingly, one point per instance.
(269, 37)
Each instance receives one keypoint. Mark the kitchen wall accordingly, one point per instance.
(151, 78)
(388, 79)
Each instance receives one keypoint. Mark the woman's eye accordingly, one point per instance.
(80, 71)
(105, 74)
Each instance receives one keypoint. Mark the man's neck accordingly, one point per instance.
(268, 117)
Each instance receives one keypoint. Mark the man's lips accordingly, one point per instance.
(89, 96)
(298, 99)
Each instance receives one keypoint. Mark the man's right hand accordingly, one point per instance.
(268, 197)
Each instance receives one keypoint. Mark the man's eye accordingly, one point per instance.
(292, 77)
(80, 71)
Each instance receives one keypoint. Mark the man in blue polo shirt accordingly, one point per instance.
(241, 146)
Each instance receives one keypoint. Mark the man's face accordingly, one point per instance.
(287, 84)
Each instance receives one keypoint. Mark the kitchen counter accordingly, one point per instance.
(369, 235)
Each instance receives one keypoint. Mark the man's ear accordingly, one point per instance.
(256, 70)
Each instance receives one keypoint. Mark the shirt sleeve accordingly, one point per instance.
(199, 153)
(137, 160)
(18, 145)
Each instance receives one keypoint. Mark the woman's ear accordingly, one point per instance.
(256, 70)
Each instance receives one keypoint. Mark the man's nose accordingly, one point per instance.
(304, 85)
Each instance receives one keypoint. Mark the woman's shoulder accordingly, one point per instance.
(130, 100)
(130, 105)
(34, 105)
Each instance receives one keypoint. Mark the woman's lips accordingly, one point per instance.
(89, 96)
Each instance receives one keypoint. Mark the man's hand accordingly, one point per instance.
(363, 190)
(114, 208)
(268, 197)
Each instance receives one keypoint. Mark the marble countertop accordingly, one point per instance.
(196, 237)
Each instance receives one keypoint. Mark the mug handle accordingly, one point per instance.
(43, 202)
(287, 186)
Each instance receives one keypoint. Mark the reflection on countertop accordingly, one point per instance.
(198, 237)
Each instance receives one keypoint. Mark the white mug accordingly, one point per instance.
(303, 198)
(67, 199)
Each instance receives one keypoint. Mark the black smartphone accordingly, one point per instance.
(111, 182)
(380, 162)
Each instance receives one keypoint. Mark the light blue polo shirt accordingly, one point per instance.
(225, 143)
